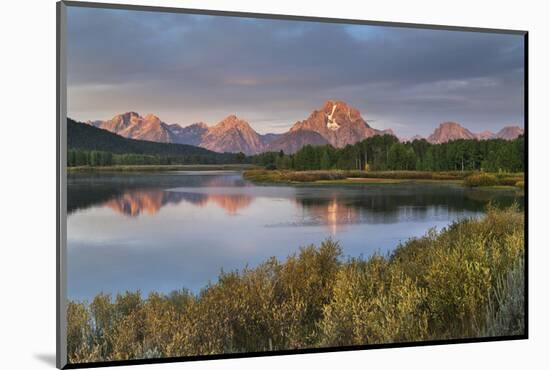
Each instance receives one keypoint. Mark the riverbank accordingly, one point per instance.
(155, 168)
(465, 281)
(466, 178)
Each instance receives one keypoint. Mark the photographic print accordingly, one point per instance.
(240, 184)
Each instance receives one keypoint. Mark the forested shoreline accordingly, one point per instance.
(97, 158)
(462, 282)
(386, 152)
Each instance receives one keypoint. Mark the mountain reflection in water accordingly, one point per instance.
(166, 231)
(136, 202)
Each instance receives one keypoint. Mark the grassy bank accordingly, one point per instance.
(471, 179)
(465, 281)
(179, 167)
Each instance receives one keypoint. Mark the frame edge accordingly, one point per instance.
(61, 225)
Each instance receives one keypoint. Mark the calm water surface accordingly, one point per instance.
(167, 231)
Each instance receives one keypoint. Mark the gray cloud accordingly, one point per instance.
(189, 68)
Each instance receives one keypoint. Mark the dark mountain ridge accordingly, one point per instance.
(84, 136)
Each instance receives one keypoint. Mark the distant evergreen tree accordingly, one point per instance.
(325, 163)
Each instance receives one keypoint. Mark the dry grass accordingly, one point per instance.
(496, 179)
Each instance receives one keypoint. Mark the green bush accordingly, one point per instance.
(374, 302)
(293, 176)
(309, 176)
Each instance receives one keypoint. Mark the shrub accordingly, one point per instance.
(460, 265)
(505, 312)
(509, 181)
(293, 176)
(310, 176)
(79, 334)
(374, 302)
(481, 179)
(412, 175)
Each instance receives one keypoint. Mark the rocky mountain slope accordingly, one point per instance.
(84, 136)
(191, 135)
(337, 123)
(485, 135)
(449, 131)
(509, 133)
(232, 135)
(291, 142)
(133, 126)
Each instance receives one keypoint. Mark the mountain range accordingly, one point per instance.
(335, 123)
(448, 131)
(84, 136)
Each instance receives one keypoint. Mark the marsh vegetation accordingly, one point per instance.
(467, 178)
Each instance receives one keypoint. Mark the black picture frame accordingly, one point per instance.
(61, 173)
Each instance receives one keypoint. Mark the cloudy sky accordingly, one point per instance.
(272, 73)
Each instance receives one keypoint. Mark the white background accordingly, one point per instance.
(27, 196)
